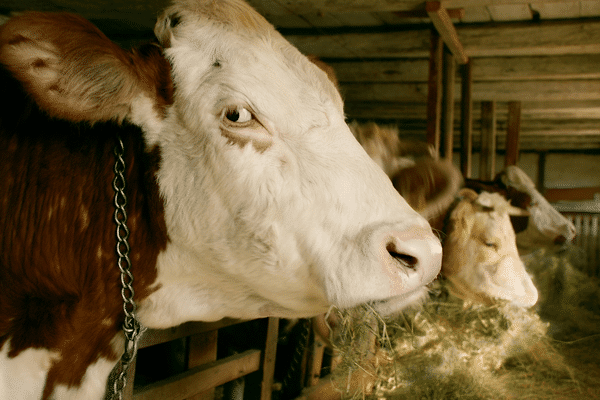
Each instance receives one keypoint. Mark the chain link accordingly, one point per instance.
(131, 326)
(291, 385)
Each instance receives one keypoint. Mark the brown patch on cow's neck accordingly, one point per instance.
(59, 280)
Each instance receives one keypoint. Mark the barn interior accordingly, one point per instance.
(488, 83)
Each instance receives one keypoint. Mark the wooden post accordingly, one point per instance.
(513, 128)
(202, 350)
(487, 159)
(466, 119)
(541, 177)
(268, 365)
(434, 91)
(448, 105)
(441, 20)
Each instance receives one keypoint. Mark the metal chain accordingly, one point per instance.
(131, 326)
(291, 388)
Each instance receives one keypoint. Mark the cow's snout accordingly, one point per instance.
(411, 257)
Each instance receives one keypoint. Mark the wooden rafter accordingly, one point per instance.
(443, 24)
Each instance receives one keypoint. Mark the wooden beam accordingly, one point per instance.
(453, 13)
(487, 159)
(443, 24)
(550, 111)
(482, 91)
(268, 362)
(448, 105)
(499, 40)
(329, 6)
(201, 378)
(466, 120)
(571, 67)
(434, 91)
(541, 176)
(513, 130)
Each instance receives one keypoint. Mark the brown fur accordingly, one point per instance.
(59, 281)
(429, 186)
(73, 71)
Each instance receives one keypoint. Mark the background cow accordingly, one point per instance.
(545, 226)
(248, 196)
(480, 259)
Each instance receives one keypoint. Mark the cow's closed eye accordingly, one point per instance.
(240, 126)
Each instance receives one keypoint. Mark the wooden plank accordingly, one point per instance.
(551, 111)
(453, 13)
(448, 105)
(201, 378)
(414, 43)
(466, 120)
(512, 133)
(561, 67)
(482, 91)
(434, 92)
(487, 159)
(541, 173)
(443, 24)
(156, 336)
(506, 40)
(268, 364)
(571, 194)
(202, 349)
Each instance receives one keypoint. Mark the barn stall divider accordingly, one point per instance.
(192, 369)
(585, 215)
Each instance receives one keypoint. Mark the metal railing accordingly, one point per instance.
(585, 215)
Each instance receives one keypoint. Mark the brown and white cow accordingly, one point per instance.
(545, 226)
(248, 196)
(480, 256)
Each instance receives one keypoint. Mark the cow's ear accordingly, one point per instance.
(70, 68)
(469, 194)
(165, 24)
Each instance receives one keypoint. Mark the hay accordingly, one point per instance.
(448, 350)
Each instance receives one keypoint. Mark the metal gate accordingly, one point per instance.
(585, 215)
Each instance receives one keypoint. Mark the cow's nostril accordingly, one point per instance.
(405, 259)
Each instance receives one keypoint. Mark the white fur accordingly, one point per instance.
(286, 231)
(93, 385)
(481, 258)
(545, 222)
(24, 376)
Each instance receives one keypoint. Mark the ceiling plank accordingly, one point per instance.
(540, 110)
(499, 91)
(443, 24)
(509, 40)
(579, 66)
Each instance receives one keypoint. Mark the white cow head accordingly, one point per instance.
(480, 258)
(272, 206)
(546, 227)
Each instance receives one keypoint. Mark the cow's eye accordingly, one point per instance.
(238, 115)
(240, 126)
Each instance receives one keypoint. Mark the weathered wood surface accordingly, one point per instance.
(444, 26)
(561, 67)
(201, 378)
